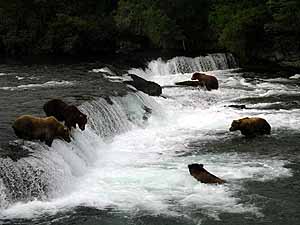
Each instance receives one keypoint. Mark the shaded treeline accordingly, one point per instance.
(247, 28)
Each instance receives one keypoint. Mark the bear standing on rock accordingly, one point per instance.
(44, 129)
(64, 112)
(202, 175)
(210, 82)
(251, 127)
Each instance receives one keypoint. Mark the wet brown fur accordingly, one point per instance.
(210, 82)
(64, 112)
(44, 129)
(251, 126)
(202, 175)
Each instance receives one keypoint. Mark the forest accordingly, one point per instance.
(253, 30)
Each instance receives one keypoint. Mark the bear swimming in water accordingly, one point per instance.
(210, 82)
(251, 127)
(64, 112)
(44, 129)
(202, 175)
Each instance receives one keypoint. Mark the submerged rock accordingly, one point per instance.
(14, 151)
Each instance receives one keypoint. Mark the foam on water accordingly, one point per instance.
(3, 201)
(296, 76)
(103, 70)
(144, 167)
(138, 171)
(44, 85)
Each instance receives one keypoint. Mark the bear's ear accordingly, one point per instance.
(237, 122)
(195, 166)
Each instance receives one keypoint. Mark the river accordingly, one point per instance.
(130, 166)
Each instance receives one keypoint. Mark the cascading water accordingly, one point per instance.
(136, 164)
(48, 172)
(181, 65)
(3, 198)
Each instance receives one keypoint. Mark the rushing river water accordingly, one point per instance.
(125, 169)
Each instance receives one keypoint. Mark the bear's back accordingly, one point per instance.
(55, 107)
(50, 122)
(25, 120)
(254, 125)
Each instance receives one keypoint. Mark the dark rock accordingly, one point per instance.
(190, 83)
(202, 175)
(14, 151)
(148, 87)
(237, 106)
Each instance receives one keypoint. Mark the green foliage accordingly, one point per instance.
(56, 27)
(73, 34)
(146, 19)
(238, 25)
(167, 24)
(243, 31)
(285, 12)
(97, 26)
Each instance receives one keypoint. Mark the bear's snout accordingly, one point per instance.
(67, 139)
(82, 127)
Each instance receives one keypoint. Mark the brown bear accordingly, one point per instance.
(44, 129)
(202, 175)
(251, 127)
(64, 112)
(210, 82)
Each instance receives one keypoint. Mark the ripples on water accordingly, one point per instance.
(124, 170)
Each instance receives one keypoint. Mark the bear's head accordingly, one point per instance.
(195, 167)
(235, 125)
(64, 133)
(82, 120)
(197, 76)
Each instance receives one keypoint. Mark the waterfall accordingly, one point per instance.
(3, 201)
(177, 65)
(48, 172)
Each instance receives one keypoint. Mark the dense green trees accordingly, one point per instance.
(168, 24)
(95, 26)
(56, 26)
(239, 25)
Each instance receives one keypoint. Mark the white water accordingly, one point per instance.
(179, 65)
(103, 70)
(296, 76)
(144, 167)
(43, 85)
